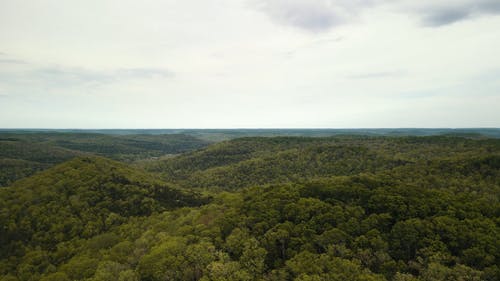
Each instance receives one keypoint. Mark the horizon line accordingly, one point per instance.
(264, 128)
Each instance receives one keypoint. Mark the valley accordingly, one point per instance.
(175, 207)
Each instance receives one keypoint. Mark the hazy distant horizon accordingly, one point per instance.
(218, 134)
(258, 128)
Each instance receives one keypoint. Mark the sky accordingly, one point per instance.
(249, 64)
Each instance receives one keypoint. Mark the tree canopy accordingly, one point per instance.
(285, 208)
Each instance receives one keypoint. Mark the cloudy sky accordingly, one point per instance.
(249, 63)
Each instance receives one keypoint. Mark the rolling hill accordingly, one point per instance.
(254, 161)
(285, 208)
(79, 199)
(24, 153)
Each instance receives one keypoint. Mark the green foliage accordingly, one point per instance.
(344, 208)
(255, 161)
(25, 153)
(81, 199)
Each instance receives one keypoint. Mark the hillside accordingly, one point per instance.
(77, 200)
(253, 161)
(342, 208)
(25, 153)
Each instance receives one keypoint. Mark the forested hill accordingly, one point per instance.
(251, 161)
(227, 134)
(24, 153)
(272, 209)
(80, 199)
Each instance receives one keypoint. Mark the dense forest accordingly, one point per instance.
(173, 207)
(22, 154)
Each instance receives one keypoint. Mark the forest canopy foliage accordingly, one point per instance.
(281, 208)
(24, 153)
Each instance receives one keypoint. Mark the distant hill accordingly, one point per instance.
(227, 134)
(24, 153)
(253, 161)
(21, 158)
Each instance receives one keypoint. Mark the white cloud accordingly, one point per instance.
(440, 13)
(313, 15)
(322, 15)
(242, 63)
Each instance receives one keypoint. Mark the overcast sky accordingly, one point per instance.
(249, 63)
